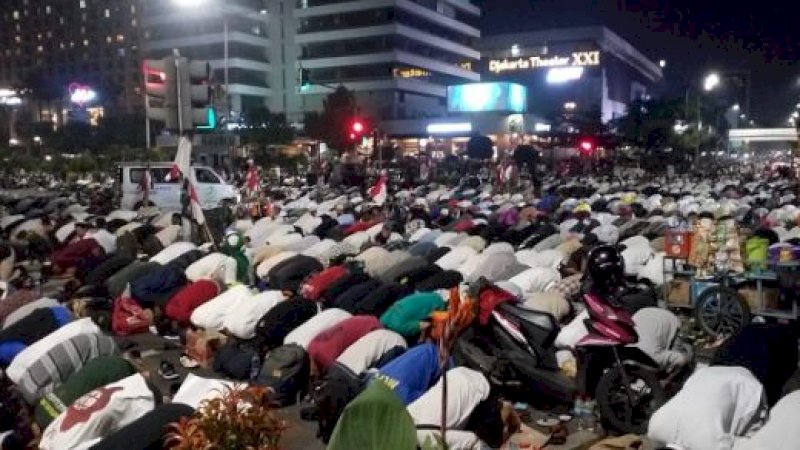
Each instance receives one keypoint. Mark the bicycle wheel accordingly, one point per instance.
(721, 311)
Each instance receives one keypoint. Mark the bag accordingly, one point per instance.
(338, 389)
(128, 317)
(315, 287)
(756, 249)
(235, 360)
(286, 370)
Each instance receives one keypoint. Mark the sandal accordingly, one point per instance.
(167, 371)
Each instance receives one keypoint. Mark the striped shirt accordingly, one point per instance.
(62, 361)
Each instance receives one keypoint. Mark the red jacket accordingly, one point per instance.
(318, 284)
(77, 254)
(358, 226)
(328, 345)
(185, 301)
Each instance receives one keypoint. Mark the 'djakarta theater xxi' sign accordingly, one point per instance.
(576, 59)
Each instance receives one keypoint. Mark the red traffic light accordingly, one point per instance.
(358, 127)
(586, 146)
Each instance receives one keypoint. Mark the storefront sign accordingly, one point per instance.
(577, 59)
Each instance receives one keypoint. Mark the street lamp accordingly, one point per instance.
(711, 82)
(662, 63)
(736, 107)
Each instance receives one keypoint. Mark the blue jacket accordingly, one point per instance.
(411, 374)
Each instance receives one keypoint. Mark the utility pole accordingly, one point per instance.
(177, 55)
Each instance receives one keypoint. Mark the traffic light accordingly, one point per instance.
(161, 91)
(195, 94)
(356, 130)
(586, 147)
(304, 79)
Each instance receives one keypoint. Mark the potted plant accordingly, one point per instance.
(243, 417)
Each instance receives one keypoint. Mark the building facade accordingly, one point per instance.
(232, 35)
(46, 47)
(398, 56)
(573, 71)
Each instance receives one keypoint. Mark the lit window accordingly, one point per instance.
(85, 42)
(133, 9)
(16, 15)
(47, 9)
(120, 38)
(61, 20)
(107, 13)
(62, 46)
(108, 39)
(83, 4)
(40, 49)
(133, 22)
(18, 39)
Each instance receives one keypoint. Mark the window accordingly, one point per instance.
(206, 176)
(83, 4)
(107, 13)
(157, 174)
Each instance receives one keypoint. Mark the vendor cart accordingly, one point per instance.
(720, 305)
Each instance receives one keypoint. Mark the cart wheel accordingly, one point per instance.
(721, 311)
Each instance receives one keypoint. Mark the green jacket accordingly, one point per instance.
(404, 316)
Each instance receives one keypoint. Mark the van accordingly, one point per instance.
(212, 190)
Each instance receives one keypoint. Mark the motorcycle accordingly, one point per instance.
(516, 350)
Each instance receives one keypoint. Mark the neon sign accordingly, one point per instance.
(81, 95)
(577, 59)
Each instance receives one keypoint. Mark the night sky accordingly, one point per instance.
(694, 36)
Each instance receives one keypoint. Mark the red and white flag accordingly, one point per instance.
(378, 192)
(194, 202)
(183, 160)
(252, 179)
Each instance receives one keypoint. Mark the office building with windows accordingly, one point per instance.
(583, 70)
(231, 35)
(48, 46)
(398, 56)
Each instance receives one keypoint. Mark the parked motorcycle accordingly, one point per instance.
(516, 349)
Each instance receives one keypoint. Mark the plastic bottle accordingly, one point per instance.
(589, 416)
(255, 367)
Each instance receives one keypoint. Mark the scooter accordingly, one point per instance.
(516, 351)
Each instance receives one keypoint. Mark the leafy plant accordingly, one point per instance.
(242, 418)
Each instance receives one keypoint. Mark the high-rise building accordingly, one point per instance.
(46, 46)
(231, 35)
(398, 56)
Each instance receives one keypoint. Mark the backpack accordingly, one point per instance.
(235, 359)
(337, 390)
(128, 317)
(287, 371)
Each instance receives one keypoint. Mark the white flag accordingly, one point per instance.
(183, 160)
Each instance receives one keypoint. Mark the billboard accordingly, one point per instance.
(483, 97)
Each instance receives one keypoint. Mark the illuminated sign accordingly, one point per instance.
(411, 72)
(480, 97)
(81, 95)
(561, 75)
(577, 59)
(446, 128)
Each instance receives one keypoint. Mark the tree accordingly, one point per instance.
(262, 128)
(480, 147)
(331, 125)
(526, 155)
